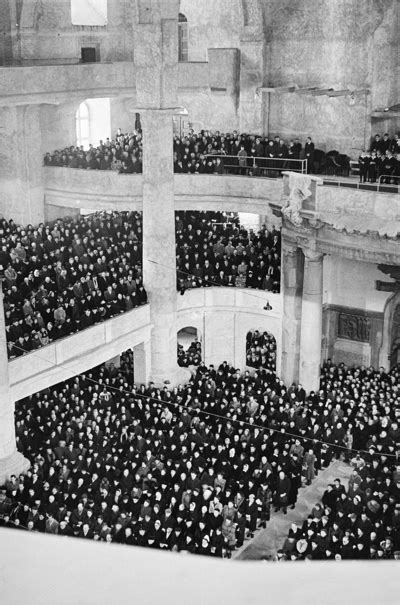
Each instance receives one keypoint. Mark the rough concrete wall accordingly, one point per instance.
(209, 110)
(212, 24)
(6, 19)
(47, 34)
(339, 44)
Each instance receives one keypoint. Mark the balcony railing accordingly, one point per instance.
(259, 166)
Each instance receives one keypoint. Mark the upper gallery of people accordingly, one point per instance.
(209, 152)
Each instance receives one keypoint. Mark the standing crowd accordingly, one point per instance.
(362, 521)
(190, 356)
(261, 350)
(69, 275)
(213, 249)
(198, 468)
(382, 160)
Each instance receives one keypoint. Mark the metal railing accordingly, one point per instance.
(259, 166)
(389, 177)
(379, 187)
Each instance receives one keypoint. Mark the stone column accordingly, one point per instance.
(292, 283)
(21, 162)
(311, 321)
(141, 363)
(12, 462)
(159, 254)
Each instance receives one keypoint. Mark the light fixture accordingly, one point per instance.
(268, 306)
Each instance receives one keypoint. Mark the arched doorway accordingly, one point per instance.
(189, 347)
(261, 350)
(395, 338)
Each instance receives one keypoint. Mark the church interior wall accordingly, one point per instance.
(216, 28)
(45, 32)
(353, 313)
(330, 44)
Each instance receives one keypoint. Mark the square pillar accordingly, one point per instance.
(311, 321)
(292, 284)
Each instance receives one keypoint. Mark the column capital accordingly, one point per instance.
(312, 255)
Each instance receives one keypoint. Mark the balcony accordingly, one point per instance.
(79, 352)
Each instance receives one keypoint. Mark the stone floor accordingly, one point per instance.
(267, 541)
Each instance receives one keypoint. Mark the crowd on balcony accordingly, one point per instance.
(382, 161)
(123, 154)
(261, 350)
(214, 249)
(191, 356)
(71, 274)
(214, 152)
(68, 276)
(199, 468)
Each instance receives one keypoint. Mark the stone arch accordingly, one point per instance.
(391, 312)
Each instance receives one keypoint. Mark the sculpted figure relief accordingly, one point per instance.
(299, 190)
(354, 327)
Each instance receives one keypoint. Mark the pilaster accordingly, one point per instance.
(311, 321)
(292, 283)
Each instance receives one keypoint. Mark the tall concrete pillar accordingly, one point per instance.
(311, 321)
(142, 363)
(292, 284)
(159, 253)
(12, 462)
(156, 71)
(21, 161)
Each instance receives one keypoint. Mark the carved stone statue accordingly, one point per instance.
(299, 190)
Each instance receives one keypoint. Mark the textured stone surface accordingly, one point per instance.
(342, 44)
(224, 316)
(311, 321)
(292, 287)
(215, 24)
(21, 184)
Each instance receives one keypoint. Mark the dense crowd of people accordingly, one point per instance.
(213, 152)
(362, 521)
(123, 154)
(65, 276)
(214, 249)
(69, 275)
(382, 160)
(261, 350)
(198, 468)
(190, 356)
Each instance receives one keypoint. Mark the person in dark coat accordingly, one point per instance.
(283, 486)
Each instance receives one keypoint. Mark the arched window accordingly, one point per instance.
(82, 125)
(182, 38)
